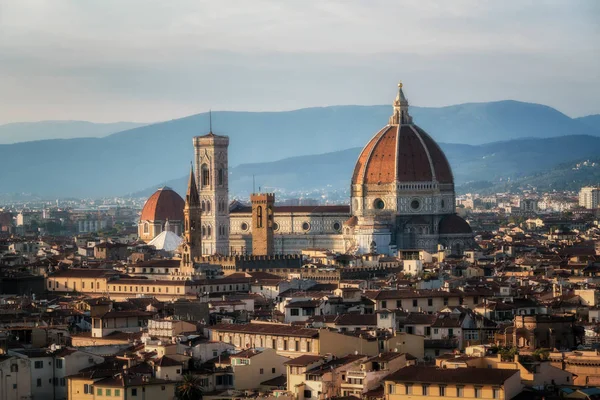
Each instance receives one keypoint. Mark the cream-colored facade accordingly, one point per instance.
(15, 377)
(447, 384)
(287, 340)
(340, 344)
(296, 370)
(589, 197)
(251, 367)
(290, 341)
(98, 283)
(539, 374)
(83, 388)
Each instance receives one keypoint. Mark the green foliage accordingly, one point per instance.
(107, 232)
(541, 354)
(508, 353)
(517, 220)
(189, 388)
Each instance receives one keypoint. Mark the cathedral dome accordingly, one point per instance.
(165, 204)
(453, 224)
(401, 152)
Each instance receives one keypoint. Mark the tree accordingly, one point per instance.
(189, 388)
(508, 353)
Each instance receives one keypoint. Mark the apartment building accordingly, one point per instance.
(416, 382)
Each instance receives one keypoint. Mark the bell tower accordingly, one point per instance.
(213, 184)
(192, 240)
(262, 223)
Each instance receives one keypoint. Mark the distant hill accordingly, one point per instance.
(474, 167)
(593, 121)
(28, 131)
(479, 123)
(565, 176)
(139, 158)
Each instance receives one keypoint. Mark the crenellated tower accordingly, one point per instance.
(262, 223)
(192, 239)
(213, 183)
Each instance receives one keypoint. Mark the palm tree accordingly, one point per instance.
(189, 388)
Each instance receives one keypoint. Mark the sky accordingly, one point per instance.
(146, 60)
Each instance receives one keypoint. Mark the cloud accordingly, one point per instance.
(147, 60)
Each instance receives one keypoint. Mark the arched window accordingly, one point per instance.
(208, 206)
(208, 231)
(205, 175)
(259, 222)
(146, 228)
(203, 231)
(220, 177)
(203, 206)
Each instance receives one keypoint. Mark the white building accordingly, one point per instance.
(41, 372)
(15, 381)
(589, 197)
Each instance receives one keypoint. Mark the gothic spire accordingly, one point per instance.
(192, 197)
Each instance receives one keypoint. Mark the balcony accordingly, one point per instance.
(356, 374)
(351, 386)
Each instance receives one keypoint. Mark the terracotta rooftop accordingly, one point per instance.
(477, 376)
(303, 360)
(356, 319)
(267, 329)
(83, 273)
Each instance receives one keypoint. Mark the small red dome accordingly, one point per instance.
(402, 153)
(164, 204)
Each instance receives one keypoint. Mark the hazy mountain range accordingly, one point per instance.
(592, 121)
(304, 148)
(564, 176)
(28, 131)
(492, 163)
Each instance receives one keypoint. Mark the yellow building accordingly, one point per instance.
(417, 382)
(292, 341)
(98, 282)
(535, 373)
(296, 369)
(253, 366)
(340, 344)
(287, 340)
(85, 386)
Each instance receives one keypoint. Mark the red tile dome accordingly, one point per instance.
(164, 204)
(401, 152)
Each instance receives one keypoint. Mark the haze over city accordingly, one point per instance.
(149, 61)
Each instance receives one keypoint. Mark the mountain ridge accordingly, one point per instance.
(138, 158)
(515, 159)
(20, 132)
